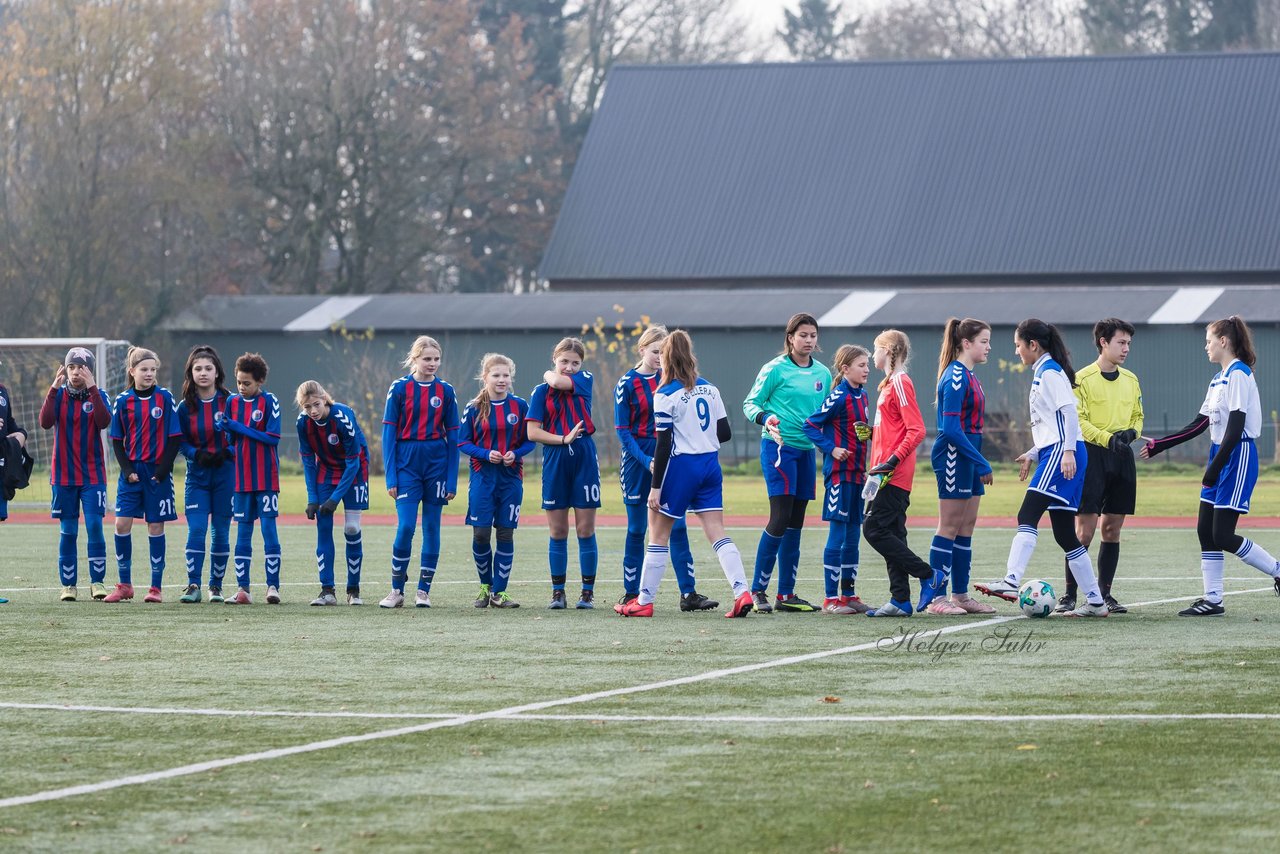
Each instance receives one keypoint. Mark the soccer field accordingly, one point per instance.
(205, 727)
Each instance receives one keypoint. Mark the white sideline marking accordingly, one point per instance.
(510, 711)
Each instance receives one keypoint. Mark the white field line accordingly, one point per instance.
(496, 714)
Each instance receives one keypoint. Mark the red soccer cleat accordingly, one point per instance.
(241, 598)
(635, 609)
(741, 606)
(122, 593)
(153, 595)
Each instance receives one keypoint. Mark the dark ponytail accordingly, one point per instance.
(1236, 331)
(1050, 341)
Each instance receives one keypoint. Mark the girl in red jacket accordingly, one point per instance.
(897, 432)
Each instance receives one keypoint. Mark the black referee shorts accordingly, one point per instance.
(1110, 482)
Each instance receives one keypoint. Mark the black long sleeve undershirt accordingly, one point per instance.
(1230, 439)
(1197, 426)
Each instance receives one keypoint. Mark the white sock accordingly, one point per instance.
(1020, 551)
(1211, 569)
(1082, 571)
(1256, 556)
(655, 566)
(731, 562)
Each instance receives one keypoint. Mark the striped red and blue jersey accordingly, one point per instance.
(77, 439)
(960, 396)
(332, 443)
(831, 427)
(504, 430)
(421, 411)
(145, 423)
(257, 463)
(559, 410)
(197, 425)
(633, 403)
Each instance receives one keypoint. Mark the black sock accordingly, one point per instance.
(1072, 589)
(1108, 560)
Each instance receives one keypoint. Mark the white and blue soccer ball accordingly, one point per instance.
(1036, 598)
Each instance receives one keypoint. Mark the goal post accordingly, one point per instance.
(27, 369)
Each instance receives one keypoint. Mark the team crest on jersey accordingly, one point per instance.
(157, 412)
(513, 418)
(435, 401)
(87, 406)
(218, 416)
(256, 416)
(333, 439)
(817, 385)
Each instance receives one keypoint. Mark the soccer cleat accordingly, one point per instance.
(1088, 609)
(1066, 602)
(852, 601)
(482, 598)
(946, 608)
(502, 600)
(353, 596)
(836, 605)
(215, 595)
(1000, 589)
(558, 602)
(98, 590)
(1277, 581)
(122, 593)
(326, 597)
(1113, 606)
(422, 599)
(930, 588)
(192, 594)
(628, 597)
(394, 599)
(273, 595)
(3, 601)
(742, 605)
(68, 594)
(586, 601)
(153, 595)
(241, 597)
(891, 609)
(695, 601)
(1203, 608)
(635, 609)
(793, 604)
(760, 601)
(969, 605)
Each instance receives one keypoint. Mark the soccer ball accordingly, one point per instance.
(1036, 598)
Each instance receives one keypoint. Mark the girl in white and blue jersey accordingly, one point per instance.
(1232, 412)
(1059, 455)
(692, 424)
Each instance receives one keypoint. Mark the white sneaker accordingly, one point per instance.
(422, 600)
(354, 599)
(1086, 609)
(325, 599)
(395, 599)
(273, 596)
(1000, 588)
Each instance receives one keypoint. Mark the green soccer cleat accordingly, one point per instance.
(191, 595)
(482, 598)
(215, 595)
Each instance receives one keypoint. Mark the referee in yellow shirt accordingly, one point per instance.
(1109, 401)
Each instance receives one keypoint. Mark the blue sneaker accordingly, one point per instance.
(3, 601)
(557, 601)
(892, 608)
(932, 588)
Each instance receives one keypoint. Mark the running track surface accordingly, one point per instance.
(616, 521)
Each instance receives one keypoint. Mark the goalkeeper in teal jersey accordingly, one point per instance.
(787, 391)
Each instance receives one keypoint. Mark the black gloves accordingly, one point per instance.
(885, 467)
(311, 510)
(328, 507)
(1120, 441)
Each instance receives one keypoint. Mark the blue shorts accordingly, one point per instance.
(571, 475)
(147, 499)
(67, 500)
(957, 476)
(494, 498)
(357, 497)
(843, 503)
(248, 506)
(208, 491)
(787, 470)
(1235, 485)
(634, 474)
(692, 484)
(422, 471)
(1049, 480)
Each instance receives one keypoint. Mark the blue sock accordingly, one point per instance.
(124, 558)
(633, 547)
(430, 556)
(832, 554)
(219, 550)
(504, 558)
(788, 561)
(766, 557)
(96, 546)
(940, 558)
(849, 557)
(244, 553)
(482, 554)
(558, 558)
(325, 549)
(156, 545)
(197, 528)
(588, 560)
(402, 548)
(682, 557)
(68, 563)
(961, 560)
(355, 556)
(271, 550)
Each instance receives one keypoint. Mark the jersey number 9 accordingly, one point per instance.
(704, 413)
